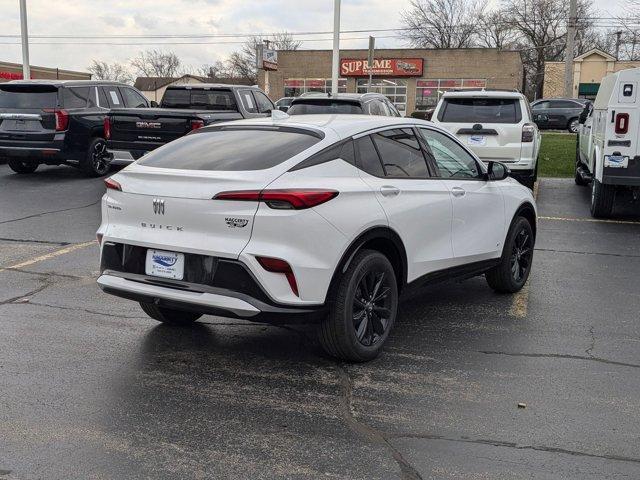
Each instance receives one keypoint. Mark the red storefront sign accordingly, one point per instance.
(387, 67)
(10, 75)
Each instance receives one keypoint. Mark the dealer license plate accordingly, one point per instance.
(477, 140)
(165, 264)
(616, 161)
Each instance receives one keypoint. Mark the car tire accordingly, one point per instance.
(602, 199)
(94, 163)
(578, 179)
(510, 275)
(169, 315)
(573, 125)
(20, 166)
(362, 309)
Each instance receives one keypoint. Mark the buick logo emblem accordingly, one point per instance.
(158, 206)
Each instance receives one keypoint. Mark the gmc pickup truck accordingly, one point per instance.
(132, 132)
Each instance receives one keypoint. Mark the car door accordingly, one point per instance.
(418, 207)
(478, 207)
(540, 112)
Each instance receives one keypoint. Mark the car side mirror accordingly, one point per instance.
(497, 171)
(153, 104)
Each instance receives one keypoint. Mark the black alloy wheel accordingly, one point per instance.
(96, 163)
(371, 309)
(521, 255)
(511, 274)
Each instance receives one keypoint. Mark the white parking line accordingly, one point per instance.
(48, 256)
(590, 220)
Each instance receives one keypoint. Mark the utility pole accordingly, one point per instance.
(370, 59)
(568, 55)
(618, 35)
(335, 63)
(26, 71)
(267, 85)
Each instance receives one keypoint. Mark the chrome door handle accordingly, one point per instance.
(389, 191)
(458, 192)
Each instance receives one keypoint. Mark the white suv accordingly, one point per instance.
(323, 217)
(497, 125)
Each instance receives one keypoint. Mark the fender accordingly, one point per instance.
(597, 163)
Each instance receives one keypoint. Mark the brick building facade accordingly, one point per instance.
(413, 79)
(13, 71)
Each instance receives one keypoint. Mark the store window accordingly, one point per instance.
(395, 89)
(294, 87)
(429, 91)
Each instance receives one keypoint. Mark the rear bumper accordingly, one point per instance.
(51, 150)
(629, 176)
(203, 299)
(121, 157)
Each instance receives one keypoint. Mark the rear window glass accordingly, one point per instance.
(310, 107)
(75, 97)
(12, 97)
(480, 110)
(230, 150)
(198, 99)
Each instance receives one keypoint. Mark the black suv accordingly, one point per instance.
(353, 103)
(59, 122)
(558, 113)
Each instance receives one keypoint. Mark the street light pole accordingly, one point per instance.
(26, 71)
(335, 64)
(568, 55)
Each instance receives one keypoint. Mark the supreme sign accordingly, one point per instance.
(388, 67)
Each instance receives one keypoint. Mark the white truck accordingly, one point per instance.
(608, 149)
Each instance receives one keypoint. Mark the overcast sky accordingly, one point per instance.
(128, 17)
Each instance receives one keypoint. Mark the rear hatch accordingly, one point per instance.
(490, 126)
(27, 112)
(167, 198)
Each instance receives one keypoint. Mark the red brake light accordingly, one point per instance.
(528, 131)
(112, 184)
(62, 118)
(622, 123)
(277, 265)
(196, 124)
(107, 128)
(286, 199)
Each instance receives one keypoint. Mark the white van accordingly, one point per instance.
(608, 150)
(497, 125)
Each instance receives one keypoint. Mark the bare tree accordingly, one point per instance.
(155, 63)
(629, 46)
(442, 23)
(494, 31)
(217, 69)
(114, 71)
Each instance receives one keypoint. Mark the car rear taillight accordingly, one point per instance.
(112, 184)
(286, 199)
(196, 124)
(277, 265)
(107, 128)
(528, 132)
(622, 123)
(62, 118)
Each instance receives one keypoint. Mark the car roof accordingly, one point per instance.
(347, 97)
(67, 83)
(344, 125)
(482, 94)
(211, 85)
(579, 100)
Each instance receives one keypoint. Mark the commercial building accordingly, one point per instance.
(413, 79)
(13, 71)
(153, 87)
(588, 71)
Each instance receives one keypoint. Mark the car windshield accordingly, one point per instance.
(310, 107)
(231, 149)
(36, 97)
(199, 99)
(480, 110)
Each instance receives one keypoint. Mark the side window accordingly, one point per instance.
(75, 97)
(541, 105)
(392, 109)
(367, 157)
(248, 102)
(113, 96)
(264, 104)
(102, 98)
(451, 159)
(401, 154)
(132, 99)
(373, 108)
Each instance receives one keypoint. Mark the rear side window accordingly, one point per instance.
(113, 95)
(133, 99)
(264, 104)
(75, 97)
(480, 110)
(564, 104)
(367, 158)
(401, 153)
(239, 149)
(12, 96)
(310, 107)
(199, 99)
(248, 102)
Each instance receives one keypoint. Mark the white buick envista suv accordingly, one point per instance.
(313, 217)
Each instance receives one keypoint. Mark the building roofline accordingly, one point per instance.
(50, 69)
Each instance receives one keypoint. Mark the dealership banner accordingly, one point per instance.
(388, 67)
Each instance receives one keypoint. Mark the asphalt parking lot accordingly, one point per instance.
(91, 388)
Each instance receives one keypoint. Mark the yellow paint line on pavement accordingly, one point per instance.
(589, 220)
(49, 256)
